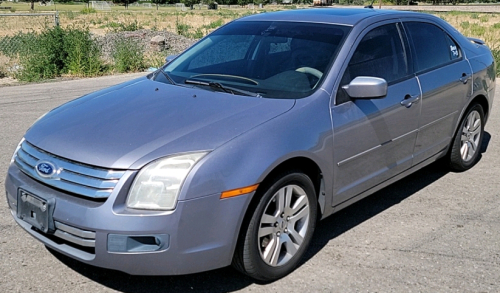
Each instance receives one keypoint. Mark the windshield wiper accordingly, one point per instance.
(168, 77)
(157, 72)
(227, 89)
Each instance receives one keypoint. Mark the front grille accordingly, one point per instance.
(73, 177)
(75, 235)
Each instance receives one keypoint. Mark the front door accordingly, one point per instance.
(374, 138)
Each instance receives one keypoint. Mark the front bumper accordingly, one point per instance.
(199, 235)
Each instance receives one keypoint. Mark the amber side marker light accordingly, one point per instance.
(239, 191)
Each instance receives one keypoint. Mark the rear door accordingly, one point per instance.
(445, 79)
(374, 138)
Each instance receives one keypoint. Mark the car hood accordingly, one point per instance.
(127, 126)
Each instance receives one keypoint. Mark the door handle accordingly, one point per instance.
(410, 100)
(465, 78)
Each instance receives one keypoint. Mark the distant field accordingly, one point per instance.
(192, 23)
(199, 22)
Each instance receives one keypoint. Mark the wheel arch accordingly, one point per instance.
(481, 100)
(302, 164)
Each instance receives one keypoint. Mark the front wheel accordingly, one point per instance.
(467, 141)
(279, 230)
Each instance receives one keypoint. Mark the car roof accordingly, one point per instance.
(344, 16)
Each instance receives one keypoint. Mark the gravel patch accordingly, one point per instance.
(174, 44)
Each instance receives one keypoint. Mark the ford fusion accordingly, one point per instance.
(232, 151)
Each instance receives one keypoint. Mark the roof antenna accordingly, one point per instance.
(371, 5)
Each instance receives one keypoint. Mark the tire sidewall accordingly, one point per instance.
(456, 161)
(254, 262)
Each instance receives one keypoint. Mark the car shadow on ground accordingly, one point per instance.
(228, 279)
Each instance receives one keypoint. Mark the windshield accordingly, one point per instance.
(284, 60)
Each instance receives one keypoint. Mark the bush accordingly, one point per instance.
(83, 54)
(44, 58)
(182, 29)
(128, 55)
(121, 27)
(58, 51)
(88, 10)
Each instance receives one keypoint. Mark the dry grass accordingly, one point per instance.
(477, 25)
(197, 23)
(102, 22)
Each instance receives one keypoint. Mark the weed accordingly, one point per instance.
(44, 58)
(70, 14)
(56, 51)
(120, 27)
(88, 10)
(496, 54)
(83, 54)
(477, 30)
(214, 24)
(181, 28)
(198, 34)
(131, 27)
(128, 56)
(156, 59)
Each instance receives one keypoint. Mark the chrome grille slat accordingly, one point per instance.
(75, 235)
(75, 231)
(88, 181)
(72, 166)
(85, 180)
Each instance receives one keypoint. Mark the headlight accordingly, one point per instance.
(17, 149)
(157, 185)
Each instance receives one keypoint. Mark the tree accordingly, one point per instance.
(189, 3)
(124, 2)
(158, 2)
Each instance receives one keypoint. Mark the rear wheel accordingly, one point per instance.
(279, 230)
(467, 142)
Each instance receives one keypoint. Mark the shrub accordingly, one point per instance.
(83, 54)
(182, 29)
(131, 27)
(44, 58)
(57, 51)
(128, 55)
(121, 27)
(214, 24)
(88, 10)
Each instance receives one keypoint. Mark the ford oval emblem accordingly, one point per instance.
(45, 169)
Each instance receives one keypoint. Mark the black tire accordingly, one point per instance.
(466, 145)
(291, 227)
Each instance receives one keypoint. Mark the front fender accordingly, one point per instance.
(304, 131)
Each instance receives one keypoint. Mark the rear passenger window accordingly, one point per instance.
(433, 47)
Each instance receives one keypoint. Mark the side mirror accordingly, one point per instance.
(170, 58)
(366, 87)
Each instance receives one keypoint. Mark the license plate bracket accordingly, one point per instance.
(36, 211)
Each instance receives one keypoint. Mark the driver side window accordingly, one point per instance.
(379, 54)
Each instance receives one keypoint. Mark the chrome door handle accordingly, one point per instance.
(465, 78)
(410, 100)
